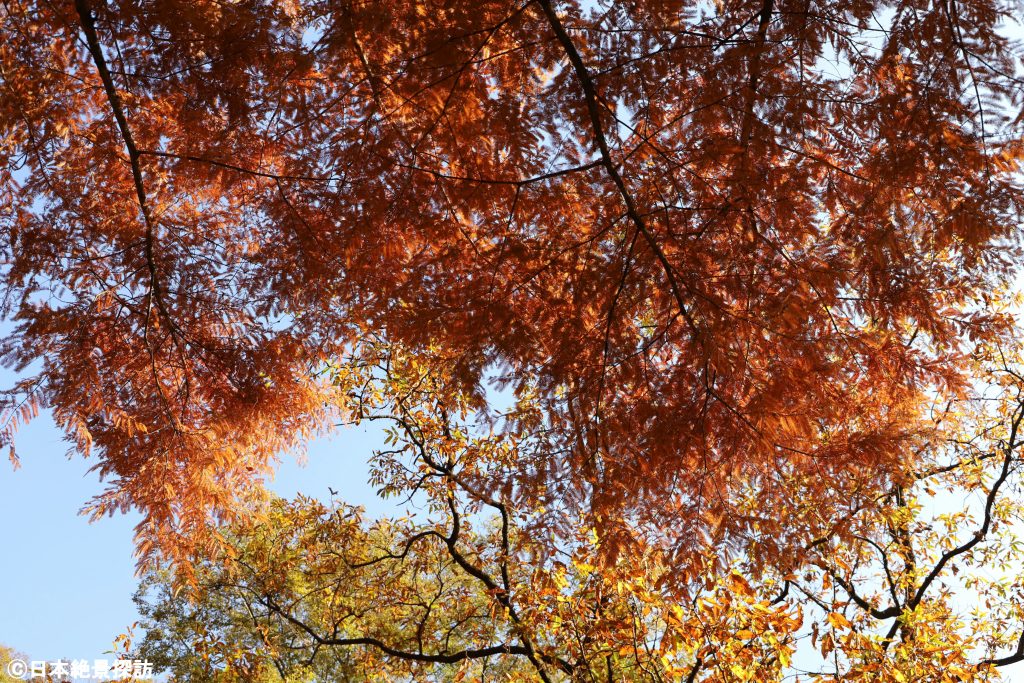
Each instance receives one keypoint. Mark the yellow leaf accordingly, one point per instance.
(837, 620)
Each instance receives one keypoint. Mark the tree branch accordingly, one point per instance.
(590, 97)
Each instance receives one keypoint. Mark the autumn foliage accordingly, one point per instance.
(726, 286)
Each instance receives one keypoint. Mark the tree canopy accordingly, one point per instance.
(479, 586)
(689, 293)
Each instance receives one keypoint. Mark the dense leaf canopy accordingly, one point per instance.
(714, 240)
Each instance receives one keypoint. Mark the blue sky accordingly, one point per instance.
(66, 584)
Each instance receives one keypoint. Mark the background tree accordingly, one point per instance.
(208, 634)
(469, 590)
(7, 655)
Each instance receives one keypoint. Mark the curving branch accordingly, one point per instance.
(500, 591)
(600, 139)
(1016, 656)
(859, 600)
(88, 21)
(436, 658)
(977, 537)
(155, 296)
